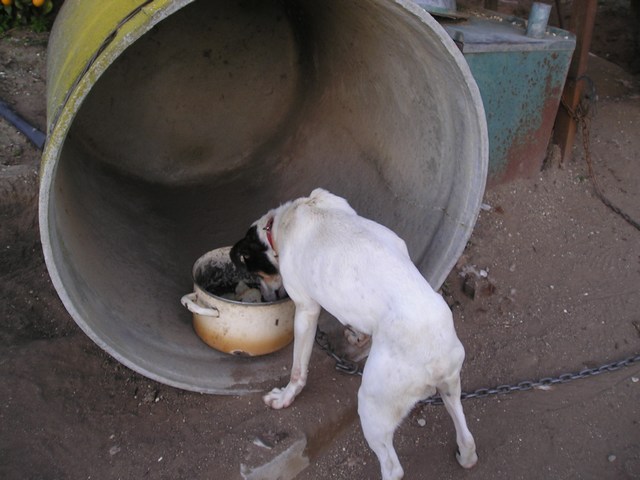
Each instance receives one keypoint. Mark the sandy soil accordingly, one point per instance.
(562, 293)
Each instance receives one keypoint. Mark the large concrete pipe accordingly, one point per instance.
(173, 124)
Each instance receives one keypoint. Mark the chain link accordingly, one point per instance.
(342, 364)
(582, 115)
(352, 368)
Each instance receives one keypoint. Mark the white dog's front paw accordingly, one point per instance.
(394, 474)
(279, 398)
(467, 461)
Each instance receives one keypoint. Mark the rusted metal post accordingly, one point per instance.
(583, 17)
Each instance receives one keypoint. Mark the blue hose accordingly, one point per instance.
(32, 133)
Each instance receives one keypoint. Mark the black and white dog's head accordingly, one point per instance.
(256, 253)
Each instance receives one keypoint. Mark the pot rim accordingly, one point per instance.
(207, 293)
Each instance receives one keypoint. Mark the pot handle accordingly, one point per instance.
(189, 301)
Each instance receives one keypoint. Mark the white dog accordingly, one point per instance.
(325, 255)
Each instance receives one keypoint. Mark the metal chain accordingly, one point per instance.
(342, 364)
(582, 116)
(352, 368)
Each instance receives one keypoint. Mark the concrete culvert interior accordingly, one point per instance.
(181, 131)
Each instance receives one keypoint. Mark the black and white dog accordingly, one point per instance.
(326, 256)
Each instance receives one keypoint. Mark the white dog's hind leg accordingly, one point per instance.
(380, 413)
(450, 392)
(304, 333)
(356, 338)
(378, 425)
(359, 344)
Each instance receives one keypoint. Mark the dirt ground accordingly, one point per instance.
(561, 293)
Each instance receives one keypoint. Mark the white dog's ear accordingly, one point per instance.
(237, 255)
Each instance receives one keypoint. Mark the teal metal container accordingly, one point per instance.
(520, 80)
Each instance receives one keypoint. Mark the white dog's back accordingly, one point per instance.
(358, 256)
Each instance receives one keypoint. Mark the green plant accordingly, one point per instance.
(20, 13)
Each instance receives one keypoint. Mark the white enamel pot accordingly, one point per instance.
(237, 328)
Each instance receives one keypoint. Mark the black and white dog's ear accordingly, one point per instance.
(238, 254)
(247, 249)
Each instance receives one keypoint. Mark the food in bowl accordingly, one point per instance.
(245, 293)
